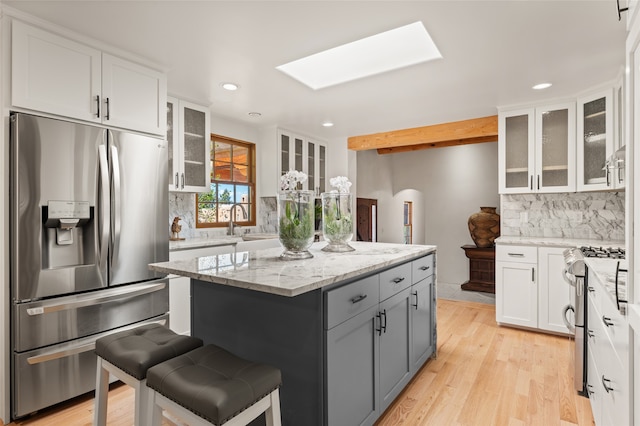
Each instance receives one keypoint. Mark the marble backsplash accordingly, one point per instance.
(184, 206)
(592, 215)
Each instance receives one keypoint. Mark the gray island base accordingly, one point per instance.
(348, 331)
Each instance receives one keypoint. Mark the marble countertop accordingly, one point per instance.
(262, 270)
(604, 270)
(556, 242)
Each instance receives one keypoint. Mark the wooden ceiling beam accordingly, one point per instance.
(476, 130)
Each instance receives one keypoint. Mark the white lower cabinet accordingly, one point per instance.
(377, 333)
(530, 290)
(608, 377)
(180, 288)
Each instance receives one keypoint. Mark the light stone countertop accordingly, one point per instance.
(262, 270)
(556, 242)
(605, 271)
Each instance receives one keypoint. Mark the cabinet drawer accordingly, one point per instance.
(508, 253)
(351, 299)
(394, 280)
(421, 268)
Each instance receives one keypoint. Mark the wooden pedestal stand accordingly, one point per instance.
(482, 270)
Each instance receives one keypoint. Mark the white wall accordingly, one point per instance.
(446, 186)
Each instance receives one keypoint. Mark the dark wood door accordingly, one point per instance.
(367, 210)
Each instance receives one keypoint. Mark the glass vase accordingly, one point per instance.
(337, 221)
(296, 223)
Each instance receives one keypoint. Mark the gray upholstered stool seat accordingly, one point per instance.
(128, 355)
(216, 385)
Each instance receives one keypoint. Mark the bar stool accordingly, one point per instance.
(212, 386)
(128, 355)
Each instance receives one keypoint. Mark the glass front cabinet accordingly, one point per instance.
(189, 139)
(305, 155)
(536, 149)
(595, 142)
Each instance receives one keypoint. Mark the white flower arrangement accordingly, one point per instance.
(290, 180)
(341, 183)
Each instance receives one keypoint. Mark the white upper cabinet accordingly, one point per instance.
(189, 138)
(133, 96)
(56, 75)
(536, 148)
(304, 155)
(595, 140)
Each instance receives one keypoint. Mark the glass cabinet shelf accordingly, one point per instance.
(518, 170)
(595, 114)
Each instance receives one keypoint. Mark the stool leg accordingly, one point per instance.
(102, 392)
(272, 415)
(154, 411)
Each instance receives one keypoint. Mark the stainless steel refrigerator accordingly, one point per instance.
(88, 213)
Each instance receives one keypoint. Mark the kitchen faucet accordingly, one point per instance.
(231, 225)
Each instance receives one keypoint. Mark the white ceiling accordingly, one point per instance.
(493, 52)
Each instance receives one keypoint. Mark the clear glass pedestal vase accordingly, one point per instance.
(296, 223)
(337, 221)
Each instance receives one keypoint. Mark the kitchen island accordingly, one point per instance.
(348, 330)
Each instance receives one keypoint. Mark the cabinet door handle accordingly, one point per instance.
(605, 384)
(538, 182)
(607, 321)
(177, 180)
(359, 298)
(384, 325)
(398, 280)
(182, 185)
(608, 173)
(590, 389)
(590, 333)
(108, 114)
(424, 268)
(591, 289)
(98, 104)
(531, 182)
(533, 274)
(415, 293)
(379, 330)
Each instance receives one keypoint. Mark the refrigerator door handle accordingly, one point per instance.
(104, 206)
(78, 348)
(90, 300)
(115, 203)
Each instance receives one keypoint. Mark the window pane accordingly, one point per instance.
(222, 170)
(222, 152)
(240, 155)
(225, 193)
(240, 173)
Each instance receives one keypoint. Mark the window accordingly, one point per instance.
(408, 222)
(232, 182)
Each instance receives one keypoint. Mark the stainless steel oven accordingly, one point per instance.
(574, 274)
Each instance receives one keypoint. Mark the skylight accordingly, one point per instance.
(387, 51)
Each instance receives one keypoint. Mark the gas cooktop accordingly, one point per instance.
(604, 252)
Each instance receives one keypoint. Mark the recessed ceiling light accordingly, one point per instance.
(541, 86)
(255, 114)
(390, 50)
(327, 124)
(230, 86)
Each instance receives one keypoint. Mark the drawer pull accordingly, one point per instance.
(590, 333)
(605, 384)
(424, 268)
(359, 298)
(607, 321)
(591, 289)
(590, 389)
(398, 280)
(516, 254)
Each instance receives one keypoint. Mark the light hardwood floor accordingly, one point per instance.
(483, 375)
